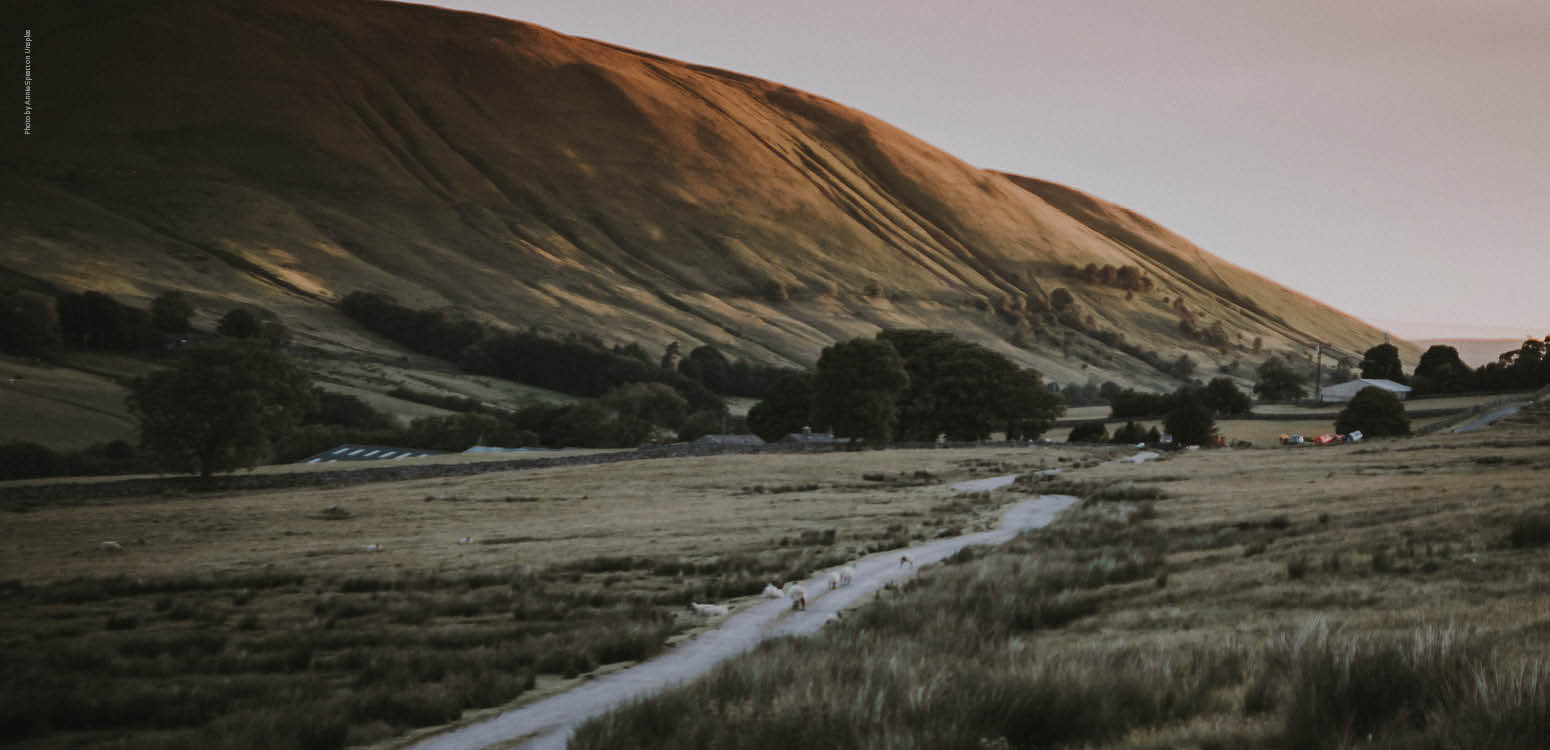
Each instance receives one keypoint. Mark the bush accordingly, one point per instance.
(1089, 432)
(1374, 411)
(1531, 531)
(1129, 434)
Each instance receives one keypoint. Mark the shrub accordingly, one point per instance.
(1089, 432)
(1374, 411)
(1531, 531)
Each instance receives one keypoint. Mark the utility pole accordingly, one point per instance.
(1318, 371)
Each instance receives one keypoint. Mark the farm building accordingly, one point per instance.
(353, 452)
(811, 438)
(750, 441)
(1345, 391)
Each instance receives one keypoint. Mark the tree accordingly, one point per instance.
(170, 312)
(1027, 405)
(239, 323)
(1060, 299)
(786, 408)
(857, 387)
(94, 320)
(1128, 434)
(1279, 382)
(1441, 370)
(220, 408)
(1088, 432)
(707, 366)
(1374, 411)
(28, 323)
(1382, 362)
(1191, 422)
(640, 408)
(1224, 398)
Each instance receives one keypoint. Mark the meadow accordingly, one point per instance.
(1217, 598)
(1394, 594)
(261, 619)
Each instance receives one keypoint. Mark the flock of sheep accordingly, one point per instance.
(794, 591)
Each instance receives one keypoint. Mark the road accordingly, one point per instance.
(547, 724)
(1491, 416)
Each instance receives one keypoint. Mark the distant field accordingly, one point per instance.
(61, 408)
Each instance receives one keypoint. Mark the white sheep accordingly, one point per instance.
(709, 610)
(373, 548)
(798, 596)
(466, 540)
(772, 592)
(847, 575)
(834, 580)
(111, 546)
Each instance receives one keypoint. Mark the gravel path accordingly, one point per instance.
(547, 724)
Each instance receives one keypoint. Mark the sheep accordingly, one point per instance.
(834, 580)
(466, 540)
(709, 610)
(847, 575)
(798, 596)
(373, 548)
(906, 560)
(772, 592)
(111, 546)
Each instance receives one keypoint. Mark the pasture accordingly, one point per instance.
(270, 610)
(1395, 593)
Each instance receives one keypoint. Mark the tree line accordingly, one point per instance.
(35, 323)
(575, 365)
(908, 385)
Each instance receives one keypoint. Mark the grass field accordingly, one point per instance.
(1394, 594)
(270, 610)
(1188, 602)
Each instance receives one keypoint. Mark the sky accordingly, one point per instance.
(1388, 157)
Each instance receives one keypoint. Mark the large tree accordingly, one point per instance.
(1441, 370)
(857, 388)
(707, 366)
(1278, 382)
(639, 409)
(170, 312)
(1028, 407)
(1382, 361)
(1191, 421)
(220, 408)
(786, 408)
(1224, 398)
(1374, 411)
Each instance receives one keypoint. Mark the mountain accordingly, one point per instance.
(288, 153)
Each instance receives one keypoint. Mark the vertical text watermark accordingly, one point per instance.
(27, 82)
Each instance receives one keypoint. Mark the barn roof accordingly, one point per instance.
(356, 452)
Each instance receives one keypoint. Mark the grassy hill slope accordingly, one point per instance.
(288, 153)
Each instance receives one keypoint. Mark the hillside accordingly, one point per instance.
(289, 153)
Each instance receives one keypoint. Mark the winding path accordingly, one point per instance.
(547, 724)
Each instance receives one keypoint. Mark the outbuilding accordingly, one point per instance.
(1347, 390)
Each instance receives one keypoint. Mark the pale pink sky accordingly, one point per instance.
(1390, 158)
